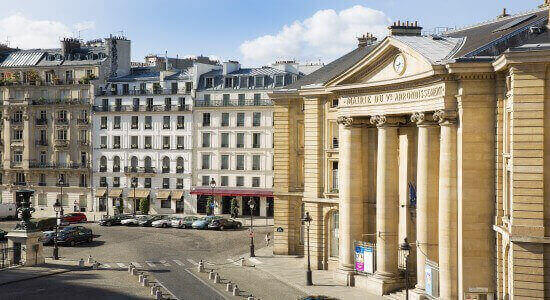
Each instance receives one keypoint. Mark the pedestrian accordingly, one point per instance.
(267, 239)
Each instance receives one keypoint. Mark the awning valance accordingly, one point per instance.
(139, 194)
(176, 194)
(163, 194)
(232, 192)
(100, 192)
(115, 193)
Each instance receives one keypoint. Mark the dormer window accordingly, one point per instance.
(228, 82)
(259, 81)
(243, 82)
(209, 82)
(279, 80)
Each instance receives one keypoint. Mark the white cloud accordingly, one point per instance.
(326, 35)
(26, 33)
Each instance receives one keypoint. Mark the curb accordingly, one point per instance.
(35, 277)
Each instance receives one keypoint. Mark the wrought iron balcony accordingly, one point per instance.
(41, 121)
(102, 168)
(61, 143)
(82, 121)
(232, 103)
(62, 121)
(144, 170)
(41, 143)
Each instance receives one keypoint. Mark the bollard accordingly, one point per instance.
(90, 259)
(250, 298)
(81, 263)
(236, 291)
(243, 264)
(134, 271)
(158, 295)
(95, 266)
(145, 282)
(217, 278)
(229, 287)
(140, 278)
(201, 267)
(154, 289)
(211, 275)
(130, 268)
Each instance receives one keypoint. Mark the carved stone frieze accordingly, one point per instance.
(346, 121)
(446, 117)
(423, 119)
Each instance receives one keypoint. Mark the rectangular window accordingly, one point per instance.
(205, 181)
(225, 119)
(225, 162)
(135, 122)
(225, 181)
(165, 142)
(179, 183)
(240, 119)
(256, 140)
(62, 134)
(181, 122)
(103, 181)
(279, 80)
(206, 161)
(83, 182)
(188, 87)
(136, 104)
(255, 162)
(225, 100)
(240, 162)
(228, 82)
(334, 174)
(116, 181)
(42, 180)
(134, 142)
(165, 183)
(103, 122)
(241, 100)
(259, 81)
(334, 103)
(166, 122)
(149, 106)
(17, 135)
(148, 122)
(116, 122)
(206, 119)
(116, 142)
(240, 140)
(148, 142)
(225, 140)
(147, 182)
(240, 181)
(103, 142)
(206, 139)
(257, 119)
(168, 102)
(180, 142)
(255, 181)
(209, 82)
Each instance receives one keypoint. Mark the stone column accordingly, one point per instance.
(7, 140)
(427, 190)
(350, 173)
(448, 205)
(387, 198)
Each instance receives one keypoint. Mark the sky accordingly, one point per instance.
(254, 32)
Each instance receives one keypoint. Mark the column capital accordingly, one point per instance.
(385, 121)
(423, 119)
(350, 121)
(446, 117)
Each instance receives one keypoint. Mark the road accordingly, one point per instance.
(166, 252)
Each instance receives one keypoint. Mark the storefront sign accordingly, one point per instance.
(412, 95)
(364, 258)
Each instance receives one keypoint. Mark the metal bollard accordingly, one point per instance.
(140, 278)
(154, 290)
(130, 268)
(145, 282)
(134, 271)
(211, 275)
(236, 291)
(217, 278)
(229, 287)
(90, 259)
(201, 267)
(250, 298)
(243, 263)
(95, 265)
(81, 263)
(158, 295)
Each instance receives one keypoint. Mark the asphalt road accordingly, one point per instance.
(167, 253)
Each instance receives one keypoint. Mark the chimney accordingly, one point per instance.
(504, 14)
(69, 45)
(366, 40)
(405, 29)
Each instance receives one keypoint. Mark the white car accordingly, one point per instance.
(165, 222)
(132, 221)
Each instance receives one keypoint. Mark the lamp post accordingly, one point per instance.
(251, 204)
(406, 248)
(306, 220)
(57, 208)
(134, 184)
(212, 186)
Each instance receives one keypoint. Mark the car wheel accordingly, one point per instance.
(164, 225)
(239, 226)
(72, 244)
(222, 228)
(90, 239)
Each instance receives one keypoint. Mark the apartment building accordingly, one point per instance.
(143, 138)
(46, 127)
(233, 150)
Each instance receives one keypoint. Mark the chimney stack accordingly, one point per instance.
(504, 14)
(407, 28)
(366, 40)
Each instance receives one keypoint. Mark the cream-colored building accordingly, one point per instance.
(46, 99)
(442, 140)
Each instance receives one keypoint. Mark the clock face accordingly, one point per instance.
(399, 64)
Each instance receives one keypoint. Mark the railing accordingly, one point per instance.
(165, 170)
(20, 183)
(62, 121)
(82, 121)
(335, 143)
(5, 255)
(103, 169)
(116, 168)
(61, 143)
(16, 121)
(41, 121)
(83, 143)
(41, 143)
(131, 108)
(168, 91)
(146, 170)
(43, 165)
(229, 103)
(43, 101)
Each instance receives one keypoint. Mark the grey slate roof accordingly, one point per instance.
(23, 58)
(435, 49)
(265, 71)
(139, 74)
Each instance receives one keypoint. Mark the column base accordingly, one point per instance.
(379, 285)
(417, 294)
(344, 277)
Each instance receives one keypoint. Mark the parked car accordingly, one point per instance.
(44, 224)
(202, 223)
(132, 221)
(72, 218)
(3, 234)
(48, 237)
(185, 222)
(222, 224)
(164, 222)
(73, 235)
(8, 211)
(147, 222)
(114, 220)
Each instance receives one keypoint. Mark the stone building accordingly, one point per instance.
(143, 140)
(46, 125)
(443, 140)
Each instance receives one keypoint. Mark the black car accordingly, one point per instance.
(146, 222)
(3, 234)
(73, 235)
(222, 224)
(113, 220)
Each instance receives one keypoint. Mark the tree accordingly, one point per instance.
(144, 205)
(234, 208)
(210, 205)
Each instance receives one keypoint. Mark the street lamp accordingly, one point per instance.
(251, 204)
(57, 208)
(212, 186)
(306, 220)
(406, 248)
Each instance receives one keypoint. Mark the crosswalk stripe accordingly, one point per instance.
(192, 261)
(254, 260)
(177, 261)
(136, 264)
(150, 264)
(121, 265)
(164, 263)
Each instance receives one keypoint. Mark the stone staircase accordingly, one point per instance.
(398, 295)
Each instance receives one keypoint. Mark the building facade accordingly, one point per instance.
(46, 99)
(438, 142)
(233, 148)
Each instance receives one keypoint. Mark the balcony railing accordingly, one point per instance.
(83, 143)
(102, 168)
(44, 165)
(41, 143)
(116, 168)
(20, 183)
(82, 121)
(158, 91)
(145, 170)
(165, 170)
(335, 143)
(62, 121)
(232, 103)
(61, 143)
(41, 121)
(134, 108)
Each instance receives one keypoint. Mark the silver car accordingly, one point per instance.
(164, 222)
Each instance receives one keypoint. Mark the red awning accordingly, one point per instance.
(232, 192)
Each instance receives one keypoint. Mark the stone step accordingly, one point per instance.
(399, 295)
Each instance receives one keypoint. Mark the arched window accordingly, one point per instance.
(334, 220)
(133, 164)
(116, 164)
(147, 162)
(165, 164)
(103, 164)
(179, 165)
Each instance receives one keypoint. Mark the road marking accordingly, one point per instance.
(106, 266)
(177, 261)
(136, 264)
(121, 265)
(206, 284)
(150, 264)
(235, 262)
(164, 263)
(192, 261)
(254, 260)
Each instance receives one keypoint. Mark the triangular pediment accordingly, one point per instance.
(390, 62)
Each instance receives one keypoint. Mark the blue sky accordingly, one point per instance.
(252, 31)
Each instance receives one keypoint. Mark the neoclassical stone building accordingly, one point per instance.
(442, 140)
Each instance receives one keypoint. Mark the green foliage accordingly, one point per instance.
(144, 205)
(209, 202)
(234, 207)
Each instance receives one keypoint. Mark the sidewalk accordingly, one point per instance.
(290, 271)
(51, 267)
